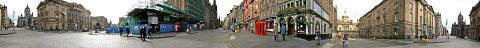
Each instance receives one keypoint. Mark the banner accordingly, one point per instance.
(167, 27)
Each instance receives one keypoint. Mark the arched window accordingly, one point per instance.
(396, 11)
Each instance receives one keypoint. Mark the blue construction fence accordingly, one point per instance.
(113, 30)
(162, 28)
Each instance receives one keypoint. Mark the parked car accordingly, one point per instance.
(85, 30)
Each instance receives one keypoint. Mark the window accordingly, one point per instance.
(396, 17)
(304, 2)
(396, 11)
(396, 6)
(292, 4)
(279, 7)
(324, 28)
(384, 15)
(411, 17)
(297, 3)
(378, 13)
(56, 10)
(300, 2)
(421, 10)
(411, 6)
(421, 21)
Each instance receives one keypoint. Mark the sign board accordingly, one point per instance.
(152, 20)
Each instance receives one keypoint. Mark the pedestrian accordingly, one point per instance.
(283, 32)
(319, 38)
(275, 34)
(143, 31)
(150, 30)
(408, 37)
(121, 30)
(345, 39)
(128, 30)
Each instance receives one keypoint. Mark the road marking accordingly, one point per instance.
(232, 37)
(229, 41)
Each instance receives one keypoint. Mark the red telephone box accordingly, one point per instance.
(257, 26)
(177, 26)
(261, 28)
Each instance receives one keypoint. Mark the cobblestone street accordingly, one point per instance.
(246, 39)
(33, 39)
(402, 43)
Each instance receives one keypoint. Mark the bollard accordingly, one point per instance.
(424, 40)
(236, 31)
(373, 38)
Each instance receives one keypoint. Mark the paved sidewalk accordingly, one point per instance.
(403, 41)
(154, 35)
(7, 32)
(440, 39)
(246, 39)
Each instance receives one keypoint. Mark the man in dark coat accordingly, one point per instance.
(143, 31)
(121, 30)
(150, 30)
(128, 30)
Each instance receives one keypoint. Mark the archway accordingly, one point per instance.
(290, 25)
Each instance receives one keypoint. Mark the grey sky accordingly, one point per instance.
(224, 7)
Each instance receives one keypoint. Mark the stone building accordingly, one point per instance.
(212, 20)
(26, 20)
(331, 11)
(474, 32)
(303, 18)
(459, 28)
(3, 13)
(233, 18)
(99, 22)
(346, 26)
(438, 24)
(229, 20)
(398, 19)
(249, 10)
(11, 24)
(5, 21)
(61, 15)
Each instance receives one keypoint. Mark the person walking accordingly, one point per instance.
(283, 32)
(275, 34)
(143, 32)
(127, 30)
(319, 38)
(345, 39)
(150, 30)
(121, 30)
